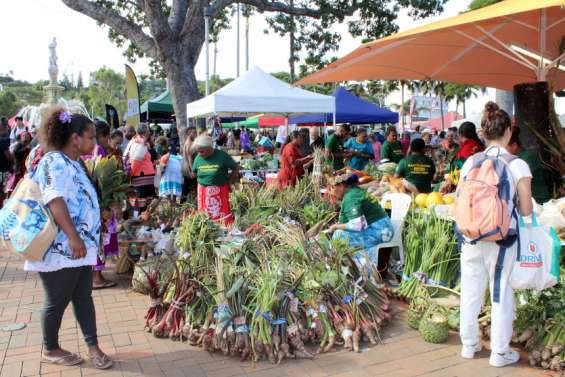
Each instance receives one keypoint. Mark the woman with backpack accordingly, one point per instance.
(494, 189)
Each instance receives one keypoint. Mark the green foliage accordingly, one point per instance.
(9, 103)
(461, 92)
(477, 4)
(106, 87)
(315, 36)
(110, 181)
(149, 87)
(16, 94)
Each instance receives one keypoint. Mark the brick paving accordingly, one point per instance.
(137, 353)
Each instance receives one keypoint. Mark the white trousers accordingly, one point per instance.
(477, 268)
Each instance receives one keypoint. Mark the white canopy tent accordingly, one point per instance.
(258, 92)
(474, 118)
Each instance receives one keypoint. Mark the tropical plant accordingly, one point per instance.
(461, 93)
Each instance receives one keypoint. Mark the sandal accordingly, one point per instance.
(106, 284)
(101, 361)
(68, 360)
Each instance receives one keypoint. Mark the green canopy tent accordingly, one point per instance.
(159, 108)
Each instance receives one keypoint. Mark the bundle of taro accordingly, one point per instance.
(157, 282)
(173, 320)
(279, 294)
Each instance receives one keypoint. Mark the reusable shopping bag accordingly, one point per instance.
(537, 265)
(26, 226)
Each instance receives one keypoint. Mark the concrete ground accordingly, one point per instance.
(120, 328)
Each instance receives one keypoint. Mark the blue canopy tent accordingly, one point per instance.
(349, 109)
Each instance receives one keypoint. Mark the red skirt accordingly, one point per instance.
(215, 201)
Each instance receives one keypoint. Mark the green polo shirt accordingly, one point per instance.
(540, 189)
(334, 145)
(357, 202)
(214, 170)
(392, 151)
(418, 170)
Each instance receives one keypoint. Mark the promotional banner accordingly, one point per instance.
(112, 117)
(132, 95)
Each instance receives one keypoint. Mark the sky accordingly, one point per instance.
(83, 46)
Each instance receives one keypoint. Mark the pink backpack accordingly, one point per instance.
(482, 209)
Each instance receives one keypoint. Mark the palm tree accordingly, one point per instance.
(390, 86)
(438, 89)
(356, 88)
(461, 93)
(406, 107)
(403, 109)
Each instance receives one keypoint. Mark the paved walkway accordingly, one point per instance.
(137, 353)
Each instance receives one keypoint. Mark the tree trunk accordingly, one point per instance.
(184, 89)
(465, 109)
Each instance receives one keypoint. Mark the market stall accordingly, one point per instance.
(257, 121)
(258, 92)
(158, 109)
(349, 109)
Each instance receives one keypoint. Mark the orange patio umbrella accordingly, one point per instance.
(508, 43)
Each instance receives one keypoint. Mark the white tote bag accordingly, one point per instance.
(533, 270)
(138, 151)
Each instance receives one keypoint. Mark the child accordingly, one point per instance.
(111, 249)
(19, 150)
(171, 179)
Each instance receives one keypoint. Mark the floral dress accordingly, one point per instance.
(60, 177)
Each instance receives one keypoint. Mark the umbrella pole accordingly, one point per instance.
(542, 43)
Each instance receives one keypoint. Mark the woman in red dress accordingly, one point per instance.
(292, 161)
(469, 141)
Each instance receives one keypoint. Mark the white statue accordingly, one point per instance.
(53, 69)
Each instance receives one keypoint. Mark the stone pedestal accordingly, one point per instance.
(53, 93)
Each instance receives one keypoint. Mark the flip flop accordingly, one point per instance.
(68, 360)
(107, 284)
(101, 361)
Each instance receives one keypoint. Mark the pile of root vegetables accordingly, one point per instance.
(432, 259)
(539, 327)
(276, 289)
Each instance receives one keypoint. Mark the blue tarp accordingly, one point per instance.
(350, 109)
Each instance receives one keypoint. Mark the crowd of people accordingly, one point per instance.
(200, 169)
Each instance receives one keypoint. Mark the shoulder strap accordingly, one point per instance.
(477, 159)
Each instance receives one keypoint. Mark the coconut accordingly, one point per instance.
(417, 309)
(413, 319)
(434, 328)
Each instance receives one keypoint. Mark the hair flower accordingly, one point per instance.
(65, 117)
